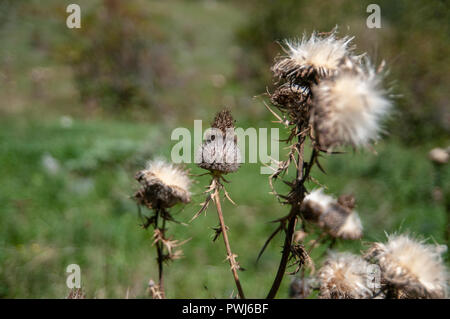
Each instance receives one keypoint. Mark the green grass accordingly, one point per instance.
(81, 212)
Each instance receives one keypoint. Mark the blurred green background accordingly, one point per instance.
(83, 109)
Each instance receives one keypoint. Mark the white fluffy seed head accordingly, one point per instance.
(344, 276)
(414, 268)
(335, 218)
(351, 228)
(323, 54)
(163, 184)
(168, 174)
(320, 198)
(349, 109)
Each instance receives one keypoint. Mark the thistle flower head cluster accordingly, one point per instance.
(311, 58)
(220, 152)
(349, 108)
(336, 217)
(324, 83)
(162, 185)
(411, 267)
(344, 276)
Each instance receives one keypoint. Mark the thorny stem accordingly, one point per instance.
(285, 255)
(160, 258)
(299, 194)
(230, 255)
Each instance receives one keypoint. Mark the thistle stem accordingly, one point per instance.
(298, 195)
(285, 255)
(159, 251)
(230, 256)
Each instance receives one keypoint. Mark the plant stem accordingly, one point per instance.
(299, 193)
(285, 255)
(230, 256)
(159, 251)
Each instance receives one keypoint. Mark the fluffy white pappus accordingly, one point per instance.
(169, 174)
(318, 197)
(324, 54)
(352, 227)
(415, 268)
(344, 276)
(336, 219)
(349, 109)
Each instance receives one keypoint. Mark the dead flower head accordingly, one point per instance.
(220, 152)
(414, 268)
(162, 185)
(309, 58)
(348, 108)
(336, 217)
(344, 276)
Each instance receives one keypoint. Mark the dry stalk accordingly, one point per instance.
(234, 265)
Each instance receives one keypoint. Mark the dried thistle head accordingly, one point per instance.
(344, 276)
(337, 219)
(223, 121)
(162, 185)
(312, 58)
(293, 99)
(348, 109)
(412, 267)
(220, 152)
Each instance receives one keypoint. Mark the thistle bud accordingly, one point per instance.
(220, 152)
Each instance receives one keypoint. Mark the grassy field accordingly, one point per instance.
(65, 199)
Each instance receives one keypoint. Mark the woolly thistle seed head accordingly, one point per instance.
(337, 218)
(414, 268)
(162, 185)
(349, 108)
(344, 276)
(220, 152)
(311, 57)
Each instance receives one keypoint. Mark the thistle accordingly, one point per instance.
(163, 185)
(325, 93)
(344, 276)
(349, 108)
(313, 58)
(336, 217)
(220, 155)
(410, 268)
